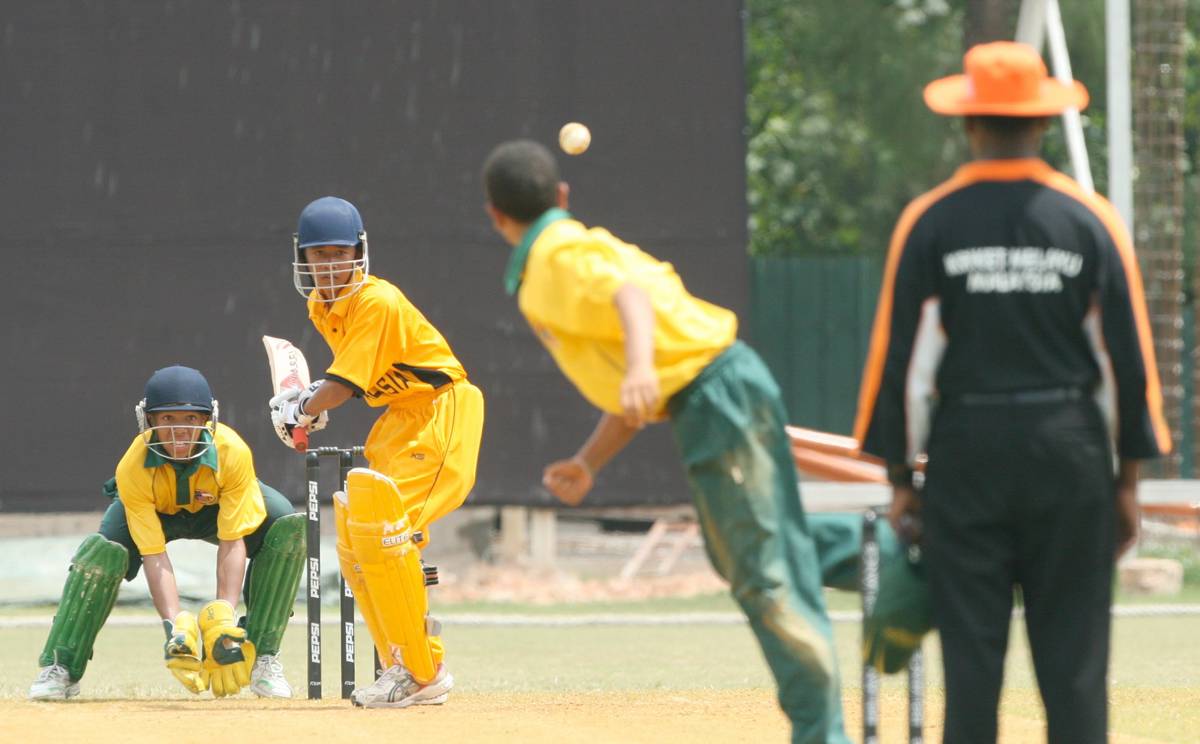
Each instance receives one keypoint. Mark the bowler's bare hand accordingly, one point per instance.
(640, 395)
(569, 480)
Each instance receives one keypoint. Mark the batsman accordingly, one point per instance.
(422, 451)
(185, 476)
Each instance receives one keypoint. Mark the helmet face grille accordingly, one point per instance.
(159, 440)
(177, 388)
(329, 221)
(305, 273)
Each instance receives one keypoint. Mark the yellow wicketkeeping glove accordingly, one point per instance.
(228, 656)
(182, 651)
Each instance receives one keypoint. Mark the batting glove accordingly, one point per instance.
(287, 412)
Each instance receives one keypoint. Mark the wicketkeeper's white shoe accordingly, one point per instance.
(267, 680)
(396, 688)
(53, 683)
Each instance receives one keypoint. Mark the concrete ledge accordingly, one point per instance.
(1151, 576)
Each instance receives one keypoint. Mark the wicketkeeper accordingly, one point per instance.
(185, 476)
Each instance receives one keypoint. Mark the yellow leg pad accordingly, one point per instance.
(353, 575)
(390, 565)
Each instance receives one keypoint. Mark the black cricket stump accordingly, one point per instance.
(312, 469)
(869, 571)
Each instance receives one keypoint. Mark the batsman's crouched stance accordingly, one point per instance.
(185, 476)
(422, 450)
(383, 520)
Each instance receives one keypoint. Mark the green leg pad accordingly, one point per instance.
(274, 579)
(902, 616)
(88, 596)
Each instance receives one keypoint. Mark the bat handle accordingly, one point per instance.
(300, 439)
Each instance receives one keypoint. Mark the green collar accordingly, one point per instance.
(516, 262)
(209, 458)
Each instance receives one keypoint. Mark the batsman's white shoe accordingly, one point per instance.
(53, 683)
(396, 688)
(267, 680)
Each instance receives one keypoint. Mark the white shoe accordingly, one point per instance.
(397, 689)
(267, 680)
(53, 683)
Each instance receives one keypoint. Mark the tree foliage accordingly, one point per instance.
(839, 139)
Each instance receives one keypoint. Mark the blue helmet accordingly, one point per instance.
(177, 388)
(329, 221)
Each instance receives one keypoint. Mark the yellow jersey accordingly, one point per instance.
(569, 280)
(383, 348)
(150, 484)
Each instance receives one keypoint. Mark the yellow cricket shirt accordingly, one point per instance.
(383, 347)
(567, 285)
(150, 485)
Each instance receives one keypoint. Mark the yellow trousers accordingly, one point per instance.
(430, 450)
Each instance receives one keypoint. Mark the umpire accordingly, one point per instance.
(1011, 344)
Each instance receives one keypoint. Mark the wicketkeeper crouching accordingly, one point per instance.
(185, 476)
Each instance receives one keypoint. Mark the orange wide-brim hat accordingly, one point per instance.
(1004, 78)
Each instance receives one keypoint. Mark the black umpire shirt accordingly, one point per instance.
(1009, 279)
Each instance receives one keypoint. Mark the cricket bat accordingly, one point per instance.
(289, 371)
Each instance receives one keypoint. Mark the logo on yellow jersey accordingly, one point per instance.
(206, 498)
(402, 376)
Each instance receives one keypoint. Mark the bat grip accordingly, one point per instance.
(300, 439)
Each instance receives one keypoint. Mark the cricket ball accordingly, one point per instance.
(574, 138)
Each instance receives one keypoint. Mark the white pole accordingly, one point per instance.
(1120, 128)
(1031, 23)
(1072, 124)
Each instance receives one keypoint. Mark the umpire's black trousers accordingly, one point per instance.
(1022, 494)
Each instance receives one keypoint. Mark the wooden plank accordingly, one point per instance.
(543, 536)
(514, 533)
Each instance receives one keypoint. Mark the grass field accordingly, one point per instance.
(602, 683)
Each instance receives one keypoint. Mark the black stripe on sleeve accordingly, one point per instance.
(358, 392)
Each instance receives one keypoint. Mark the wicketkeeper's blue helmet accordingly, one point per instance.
(177, 388)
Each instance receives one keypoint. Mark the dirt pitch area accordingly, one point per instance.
(530, 718)
(645, 717)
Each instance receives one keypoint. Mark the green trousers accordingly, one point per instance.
(729, 425)
(200, 525)
(184, 525)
